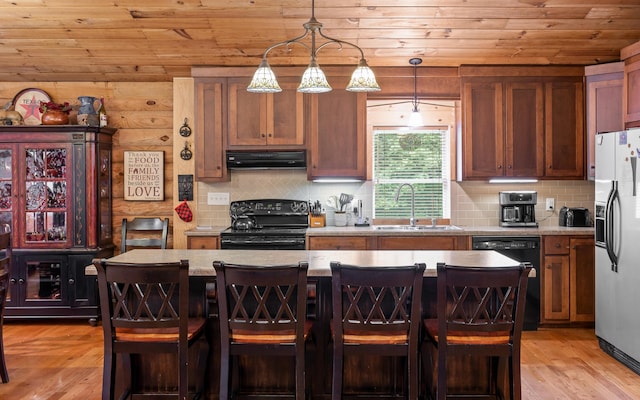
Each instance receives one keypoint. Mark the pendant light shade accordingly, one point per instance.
(415, 119)
(313, 79)
(264, 80)
(363, 79)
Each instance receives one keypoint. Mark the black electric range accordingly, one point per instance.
(269, 224)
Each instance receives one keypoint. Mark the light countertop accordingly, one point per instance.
(463, 231)
(201, 261)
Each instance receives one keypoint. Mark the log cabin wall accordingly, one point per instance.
(143, 114)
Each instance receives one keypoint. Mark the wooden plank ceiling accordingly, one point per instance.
(156, 40)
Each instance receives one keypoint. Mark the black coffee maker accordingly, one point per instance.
(517, 209)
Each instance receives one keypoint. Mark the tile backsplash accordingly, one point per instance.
(472, 203)
(476, 203)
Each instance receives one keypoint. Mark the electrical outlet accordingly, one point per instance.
(550, 204)
(217, 199)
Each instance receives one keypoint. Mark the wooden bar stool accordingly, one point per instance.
(480, 313)
(145, 310)
(262, 311)
(376, 311)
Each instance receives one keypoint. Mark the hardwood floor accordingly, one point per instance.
(63, 361)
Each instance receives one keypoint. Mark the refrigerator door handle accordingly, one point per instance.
(610, 226)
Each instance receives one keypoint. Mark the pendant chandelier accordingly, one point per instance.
(313, 80)
(415, 119)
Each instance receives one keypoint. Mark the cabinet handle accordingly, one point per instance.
(72, 281)
(270, 134)
(21, 281)
(499, 166)
(550, 166)
(509, 166)
(262, 135)
(557, 245)
(13, 281)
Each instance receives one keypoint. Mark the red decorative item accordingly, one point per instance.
(184, 212)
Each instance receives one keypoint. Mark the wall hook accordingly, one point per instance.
(185, 130)
(186, 153)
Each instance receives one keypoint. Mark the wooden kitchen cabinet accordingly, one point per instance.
(203, 242)
(521, 123)
(564, 130)
(631, 88)
(210, 125)
(503, 129)
(422, 242)
(341, 242)
(568, 281)
(55, 187)
(267, 119)
(337, 134)
(604, 93)
(582, 279)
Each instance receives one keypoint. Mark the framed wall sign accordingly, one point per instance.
(144, 175)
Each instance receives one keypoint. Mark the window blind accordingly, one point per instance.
(419, 157)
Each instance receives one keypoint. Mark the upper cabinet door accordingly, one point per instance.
(210, 101)
(632, 92)
(524, 140)
(337, 135)
(604, 93)
(564, 130)
(265, 119)
(483, 130)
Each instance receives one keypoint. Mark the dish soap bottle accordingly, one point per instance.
(102, 113)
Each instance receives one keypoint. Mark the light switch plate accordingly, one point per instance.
(218, 199)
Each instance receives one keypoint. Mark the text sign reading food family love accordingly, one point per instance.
(144, 175)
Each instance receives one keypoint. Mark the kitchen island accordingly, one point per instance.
(201, 261)
(371, 375)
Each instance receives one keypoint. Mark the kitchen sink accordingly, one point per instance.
(416, 228)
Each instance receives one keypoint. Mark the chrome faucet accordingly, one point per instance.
(412, 220)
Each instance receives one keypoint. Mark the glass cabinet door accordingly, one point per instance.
(6, 186)
(46, 204)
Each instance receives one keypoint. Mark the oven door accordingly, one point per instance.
(260, 242)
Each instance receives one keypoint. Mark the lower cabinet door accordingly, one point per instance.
(556, 288)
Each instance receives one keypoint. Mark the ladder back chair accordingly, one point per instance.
(145, 310)
(262, 311)
(480, 313)
(376, 311)
(5, 267)
(144, 233)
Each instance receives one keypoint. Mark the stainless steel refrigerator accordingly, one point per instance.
(617, 236)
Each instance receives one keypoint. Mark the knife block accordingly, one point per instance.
(317, 221)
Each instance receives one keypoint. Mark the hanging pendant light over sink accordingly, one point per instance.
(313, 80)
(415, 119)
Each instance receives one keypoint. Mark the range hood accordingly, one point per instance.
(267, 160)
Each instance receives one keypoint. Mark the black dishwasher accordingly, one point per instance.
(520, 248)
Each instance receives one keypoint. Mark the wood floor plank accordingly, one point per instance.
(63, 361)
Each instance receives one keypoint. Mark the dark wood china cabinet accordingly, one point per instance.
(55, 186)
